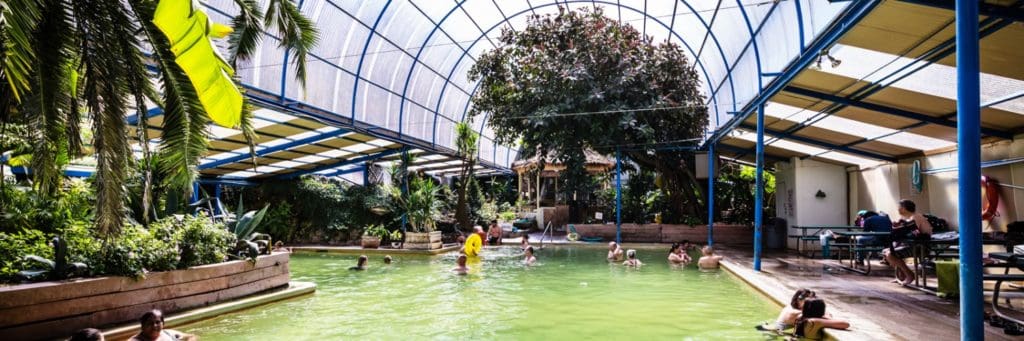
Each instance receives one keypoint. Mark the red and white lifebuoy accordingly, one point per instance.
(990, 193)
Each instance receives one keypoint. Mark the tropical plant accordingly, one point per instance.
(579, 80)
(466, 139)
(376, 230)
(250, 243)
(65, 63)
(395, 236)
(420, 204)
(507, 216)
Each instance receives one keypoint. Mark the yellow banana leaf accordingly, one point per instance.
(189, 30)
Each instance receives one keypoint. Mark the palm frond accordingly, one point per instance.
(110, 28)
(185, 121)
(49, 104)
(248, 30)
(18, 18)
(298, 34)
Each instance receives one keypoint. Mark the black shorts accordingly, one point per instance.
(903, 251)
(493, 240)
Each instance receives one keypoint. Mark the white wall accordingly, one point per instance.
(796, 184)
(881, 188)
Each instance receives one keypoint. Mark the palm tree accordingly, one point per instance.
(67, 63)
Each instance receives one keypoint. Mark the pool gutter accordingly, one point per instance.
(294, 289)
(355, 250)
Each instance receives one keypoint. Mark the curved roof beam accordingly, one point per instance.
(671, 31)
(457, 63)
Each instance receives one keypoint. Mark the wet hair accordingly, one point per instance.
(674, 247)
(494, 221)
(529, 248)
(908, 205)
(461, 260)
(387, 259)
(707, 249)
(526, 237)
(684, 242)
(87, 334)
(813, 308)
(800, 295)
(631, 254)
(362, 260)
(151, 315)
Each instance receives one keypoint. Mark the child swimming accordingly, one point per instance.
(709, 260)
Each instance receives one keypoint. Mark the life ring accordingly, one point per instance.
(990, 191)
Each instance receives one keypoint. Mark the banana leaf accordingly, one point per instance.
(189, 31)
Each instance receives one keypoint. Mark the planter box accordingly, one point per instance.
(423, 240)
(665, 233)
(370, 242)
(48, 310)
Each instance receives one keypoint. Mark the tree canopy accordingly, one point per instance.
(579, 80)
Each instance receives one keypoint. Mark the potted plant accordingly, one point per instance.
(396, 238)
(421, 206)
(372, 236)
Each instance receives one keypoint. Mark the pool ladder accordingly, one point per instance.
(549, 232)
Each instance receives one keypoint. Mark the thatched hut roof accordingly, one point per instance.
(594, 160)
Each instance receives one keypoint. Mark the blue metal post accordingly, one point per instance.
(405, 185)
(217, 209)
(968, 133)
(195, 192)
(366, 174)
(618, 196)
(711, 194)
(759, 188)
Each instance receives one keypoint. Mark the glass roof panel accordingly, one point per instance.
(935, 79)
(809, 150)
(854, 127)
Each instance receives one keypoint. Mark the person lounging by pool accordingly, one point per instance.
(360, 264)
(813, 320)
(529, 259)
(789, 314)
(709, 260)
(461, 268)
(494, 233)
(631, 260)
(152, 325)
(614, 252)
(677, 255)
(525, 243)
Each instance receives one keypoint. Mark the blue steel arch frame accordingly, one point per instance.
(698, 62)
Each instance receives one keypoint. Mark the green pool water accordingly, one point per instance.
(571, 293)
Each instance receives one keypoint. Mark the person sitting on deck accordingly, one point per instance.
(153, 329)
(614, 252)
(461, 268)
(813, 319)
(872, 222)
(631, 260)
(677, 255)
(360, 264)
(709, 260)
(494, 233)
(529, 259)
(910, 226)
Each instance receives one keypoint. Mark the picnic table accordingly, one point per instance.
(853, 246)
(803, 237)
(1010, 260)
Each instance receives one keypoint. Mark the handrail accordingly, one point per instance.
(548, 230)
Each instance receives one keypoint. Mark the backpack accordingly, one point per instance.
(938, 224)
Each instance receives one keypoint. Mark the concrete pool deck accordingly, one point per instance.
(876, 308)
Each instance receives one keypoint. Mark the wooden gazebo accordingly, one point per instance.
(541, 189)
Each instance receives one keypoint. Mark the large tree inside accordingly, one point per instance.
(579, 80)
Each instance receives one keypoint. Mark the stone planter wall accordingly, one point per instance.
(665, 233)
(49, 310)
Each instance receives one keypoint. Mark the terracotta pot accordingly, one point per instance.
(370, 242)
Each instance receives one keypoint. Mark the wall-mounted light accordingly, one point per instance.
(820, 194)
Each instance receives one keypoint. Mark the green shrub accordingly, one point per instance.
(15, 246)
(278, 221)
(202, 242)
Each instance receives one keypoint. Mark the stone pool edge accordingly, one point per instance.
(356, 250)
(861, 329)
(294, 289)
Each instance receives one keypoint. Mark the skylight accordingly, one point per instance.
(935, 79)
(809, 150)
(856, 128)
